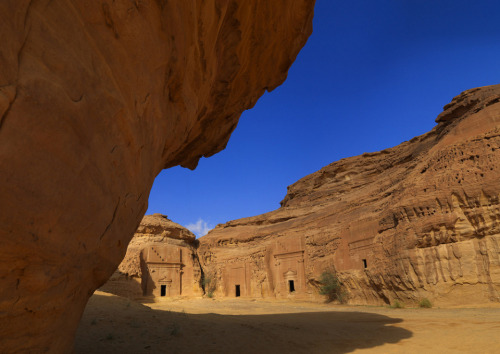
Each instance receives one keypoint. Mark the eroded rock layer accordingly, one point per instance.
(418, 220)
(161, 261)
(96, 98)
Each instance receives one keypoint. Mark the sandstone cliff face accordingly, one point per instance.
(96, 98)
(161, 260)
(418, 220)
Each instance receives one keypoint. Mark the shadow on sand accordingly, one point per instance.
(116, 325)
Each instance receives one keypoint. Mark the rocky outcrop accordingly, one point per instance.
(96, 98)
(161, 261)
(418, 220)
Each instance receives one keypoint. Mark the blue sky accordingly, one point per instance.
(372, 75)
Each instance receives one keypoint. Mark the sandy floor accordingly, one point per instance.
(112, 324)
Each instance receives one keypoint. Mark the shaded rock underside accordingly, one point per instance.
(96, 98)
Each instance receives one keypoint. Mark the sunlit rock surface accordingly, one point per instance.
(161, 261)
(418, 220)
(96, 98)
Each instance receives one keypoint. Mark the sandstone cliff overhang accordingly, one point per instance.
(96, 98)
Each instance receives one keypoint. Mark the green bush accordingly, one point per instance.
(397, 305)
(209, 284)
(331, 287)
(425, 303)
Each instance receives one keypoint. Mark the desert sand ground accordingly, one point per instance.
(112, 324)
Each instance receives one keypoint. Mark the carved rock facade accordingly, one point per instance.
(96, 98)
(418, 220)
(161, 261)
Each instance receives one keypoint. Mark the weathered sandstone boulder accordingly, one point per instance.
(96, 98)
(161, 261)
(418, 220)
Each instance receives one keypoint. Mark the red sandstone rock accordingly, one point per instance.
(418, 220)
(161, 260)
(96, 98)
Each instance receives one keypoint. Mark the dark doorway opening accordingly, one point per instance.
(365, 264)
(163, 290)
(291, 286)
(237, 290)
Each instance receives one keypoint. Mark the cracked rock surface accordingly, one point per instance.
(96, 98)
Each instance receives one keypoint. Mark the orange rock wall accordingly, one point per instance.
(418, 220)
(161, 261)
(96, 98)
(264, 269)
(169, 270)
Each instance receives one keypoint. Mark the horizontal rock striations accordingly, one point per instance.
(161, 261)
(96, 98)
(418, 220)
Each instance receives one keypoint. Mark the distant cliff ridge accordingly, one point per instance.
(418, 220)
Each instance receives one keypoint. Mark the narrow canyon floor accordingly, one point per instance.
(113, 324)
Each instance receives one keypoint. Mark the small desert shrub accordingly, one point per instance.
(331, 287)
(425, 303)
(93, 322)
(209, 284)
(397, 305)
(110, 336)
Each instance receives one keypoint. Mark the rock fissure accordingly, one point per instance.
(8, 95)
(108, 226)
